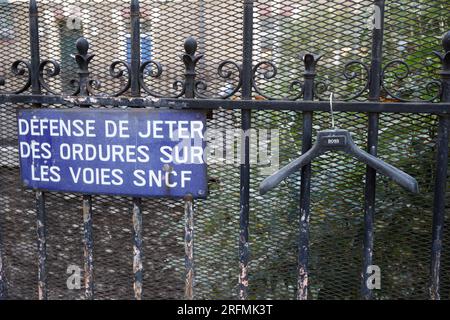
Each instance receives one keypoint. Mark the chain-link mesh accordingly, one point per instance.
(283, 31)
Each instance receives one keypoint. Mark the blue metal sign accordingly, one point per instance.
(135, 152)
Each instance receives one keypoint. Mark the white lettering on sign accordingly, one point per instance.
(112, 149)
(86, 128)
(113, 129)
(170, 179)
(182, 154)
(45, 173)
(35, 150)
(176, 129)
(57, 127)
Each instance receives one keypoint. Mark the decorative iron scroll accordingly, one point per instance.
(349, 74)
(117, 73)
(227, 70)
(403, 75)
(19, 69)
(50, 68)
(84, 85)
(271, 73)
(224, 73)
(188, 86)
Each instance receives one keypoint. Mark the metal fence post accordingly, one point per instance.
(372, 145)
(190, 59)
(310, 61)
(138, 268)
(85, 87)
(41, 224)
(245, 150)
(441, 174)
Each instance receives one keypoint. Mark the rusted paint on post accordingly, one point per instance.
(243, 252)
(189, 246)
(39, 195)
(302, 284)
(375, 84)
(440, 187)
(42, 245)
(303, 258)
(310, 61)
(88, 248)
(138, 269)
(137, 248)
(439, 206)
(3, 282)
(85, 88)
(190, 60)
(247, 76)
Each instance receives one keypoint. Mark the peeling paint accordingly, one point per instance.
(137, 248)
(189, 247)
(88, 251)
(243, 281)
(41, 245)
(3, 289)
(302, 283)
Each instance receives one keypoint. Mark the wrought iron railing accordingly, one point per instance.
(191, 93)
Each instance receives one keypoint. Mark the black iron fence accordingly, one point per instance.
(246, 96)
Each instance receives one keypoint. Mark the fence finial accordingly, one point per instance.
(190, 60)
(445, 57)
(83, 58)
(190, 45)
(83, 46)
(310, 60)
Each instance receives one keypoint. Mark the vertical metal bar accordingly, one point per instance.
(372, 144)
(40, 196)
(34, 48)
(83, 59)
(135, 48)
(310, 62)
(190, 59)
(88, 248)
(189, 247)
(137, 203)
(440, 186)
(201, 31)
(247, 62)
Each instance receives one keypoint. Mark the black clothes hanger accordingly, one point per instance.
(339, 140)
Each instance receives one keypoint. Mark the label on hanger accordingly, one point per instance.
(334, 141)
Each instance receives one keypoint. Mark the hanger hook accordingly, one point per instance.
(331, 110)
